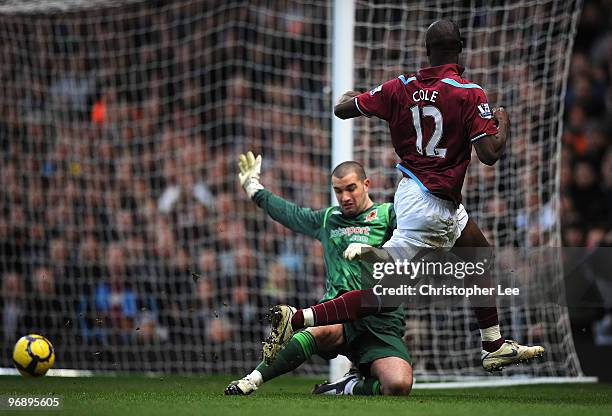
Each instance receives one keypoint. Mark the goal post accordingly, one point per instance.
(342, 63)
(125, 237)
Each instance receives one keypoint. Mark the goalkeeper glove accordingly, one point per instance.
(353, 251)
(250, 168)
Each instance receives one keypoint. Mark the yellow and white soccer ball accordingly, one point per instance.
(33, 355)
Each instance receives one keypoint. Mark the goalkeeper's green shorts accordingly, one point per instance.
(374, 337)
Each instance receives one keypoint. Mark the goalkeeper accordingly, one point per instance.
(373, 343)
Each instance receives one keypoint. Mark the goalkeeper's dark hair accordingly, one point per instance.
(346, 168)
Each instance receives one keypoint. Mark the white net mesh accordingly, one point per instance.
(120, 127)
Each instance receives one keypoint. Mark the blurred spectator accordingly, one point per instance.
(204, 311)
(41, 300)
(12, 307)
(278, 287)
(219, 331)
(116, 303)
(184, 186)
(148, 330)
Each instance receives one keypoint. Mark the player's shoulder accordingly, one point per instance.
(388, 208)
(329, 213)
(382, 205)
(405, 79)
(380, 211)
(462, 84)
(332, 210)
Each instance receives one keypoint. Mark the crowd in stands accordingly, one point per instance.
(586, 160)
(122, 221)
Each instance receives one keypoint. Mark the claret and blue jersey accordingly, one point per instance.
(434, 117)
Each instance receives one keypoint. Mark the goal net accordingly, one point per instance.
(519, 52)
(125, 237)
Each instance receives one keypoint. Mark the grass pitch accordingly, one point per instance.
(291, 396)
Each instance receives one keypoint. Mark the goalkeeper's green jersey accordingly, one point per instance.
(335, 231)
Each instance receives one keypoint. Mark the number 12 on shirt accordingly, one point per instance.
(428, 111)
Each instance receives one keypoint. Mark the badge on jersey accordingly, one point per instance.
(484, 111)
(375, 90)
(372, 215)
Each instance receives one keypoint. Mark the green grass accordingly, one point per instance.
(290, 396)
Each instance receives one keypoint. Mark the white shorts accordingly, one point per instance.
(423, 220)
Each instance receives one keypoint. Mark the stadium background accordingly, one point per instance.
(115, 190)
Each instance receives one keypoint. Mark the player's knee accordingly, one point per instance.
(327, 337)
(321, 334)
(397, 387)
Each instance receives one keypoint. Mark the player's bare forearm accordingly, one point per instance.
(348, 96)
(491, 148)
(345, 108)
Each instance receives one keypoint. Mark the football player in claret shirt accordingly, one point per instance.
(435, 117)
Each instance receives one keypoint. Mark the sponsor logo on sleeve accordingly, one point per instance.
(484, 111)
(375, 90)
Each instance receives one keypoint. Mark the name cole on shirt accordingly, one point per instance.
(425, 95)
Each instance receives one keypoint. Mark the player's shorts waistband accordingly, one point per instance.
(409, 175)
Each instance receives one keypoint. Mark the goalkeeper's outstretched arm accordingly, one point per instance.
(299, 219)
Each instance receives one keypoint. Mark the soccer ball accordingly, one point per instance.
(33, 355)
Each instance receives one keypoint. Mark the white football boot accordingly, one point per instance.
(242, 387)
(511, 352)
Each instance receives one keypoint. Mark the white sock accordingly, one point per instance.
(308, 317)
(348, 388)
(491, 333)
(256, 378)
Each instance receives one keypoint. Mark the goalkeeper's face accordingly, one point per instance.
(352, 194)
